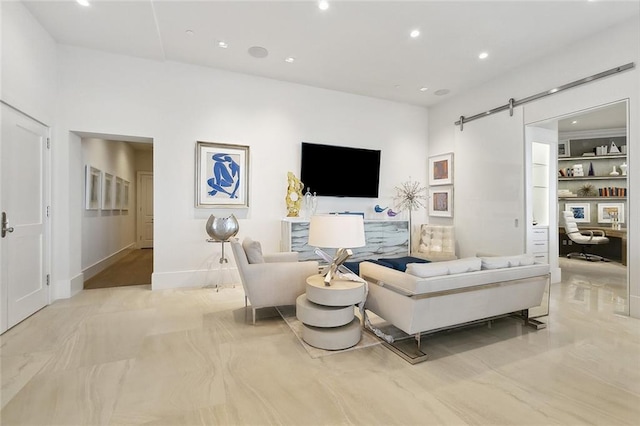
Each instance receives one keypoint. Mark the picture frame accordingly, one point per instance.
(606, 212)
(108, 189)
(441, 202)
(119, 192)
(93, 188)
(125, 195)
(564, 149)
(441, 169)
(222, 175)
(581, 211)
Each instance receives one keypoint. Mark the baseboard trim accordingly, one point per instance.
(103, 264)
(194, 278)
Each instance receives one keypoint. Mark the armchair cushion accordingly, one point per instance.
(253, 250)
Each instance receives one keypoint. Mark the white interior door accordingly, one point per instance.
(145, 210)
(23, 198)
(489, 202)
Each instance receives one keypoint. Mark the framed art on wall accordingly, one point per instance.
(107, 191)
(125, 194)
(581, 211)
(222, 175)
(441, 169)
(93, 188)
(441, 202)
(118, 198)
(608, 211)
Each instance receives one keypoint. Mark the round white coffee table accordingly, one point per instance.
(327, 313)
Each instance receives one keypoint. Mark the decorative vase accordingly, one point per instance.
(222, 228)
(614, 172)
(623, 168)
(591, 172)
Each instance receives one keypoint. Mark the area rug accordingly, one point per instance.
(288, 313)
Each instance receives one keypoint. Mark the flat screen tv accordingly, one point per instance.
(340, 171)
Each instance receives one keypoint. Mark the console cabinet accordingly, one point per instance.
(384, 238)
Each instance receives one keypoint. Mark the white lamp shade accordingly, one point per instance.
(336, 231)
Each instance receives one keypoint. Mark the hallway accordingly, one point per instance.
(133, 269)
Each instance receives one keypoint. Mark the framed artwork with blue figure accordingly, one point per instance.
(222, 175)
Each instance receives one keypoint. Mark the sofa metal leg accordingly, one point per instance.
(530, 322)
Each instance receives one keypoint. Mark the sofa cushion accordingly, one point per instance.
(253, 250)
(400, 263)
(495, 262)
(521, 260)
(426, 270)
(467, 264)
(499, 262)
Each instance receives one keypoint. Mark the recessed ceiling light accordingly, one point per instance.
(258, 52)
(483, 55)
(574, 122)
(441, 92)
(189, 32)
(323, 5)
(222, 44)
(83, 2)
(424, 89)
(290, 59)
(414, 33)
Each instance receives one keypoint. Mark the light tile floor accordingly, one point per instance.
(129, 355)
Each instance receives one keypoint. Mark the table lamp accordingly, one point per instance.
(341, 232)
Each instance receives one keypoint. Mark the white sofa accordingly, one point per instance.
(454, 292)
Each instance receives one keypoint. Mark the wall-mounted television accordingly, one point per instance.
(340, 171)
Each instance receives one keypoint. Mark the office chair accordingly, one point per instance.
(585, 238)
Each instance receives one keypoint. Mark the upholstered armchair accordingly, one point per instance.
(272, 279)
(437, 242)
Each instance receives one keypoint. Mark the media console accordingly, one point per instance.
(384, 238)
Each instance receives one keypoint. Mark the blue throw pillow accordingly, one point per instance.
(400, 263)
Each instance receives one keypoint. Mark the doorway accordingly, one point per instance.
(589, 163)
(111, 253)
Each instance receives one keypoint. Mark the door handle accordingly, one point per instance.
(5, 222)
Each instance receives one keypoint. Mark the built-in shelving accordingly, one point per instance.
(592, 177)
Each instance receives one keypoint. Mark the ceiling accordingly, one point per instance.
(360, 47)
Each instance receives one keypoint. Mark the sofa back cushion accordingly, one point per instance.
(458, 266)
(499, 262)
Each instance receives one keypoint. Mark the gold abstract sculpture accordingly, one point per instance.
(294, 195)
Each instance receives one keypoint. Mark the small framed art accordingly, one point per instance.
(441, 202)
(607, 212)
(108, 186)
(441, 169)
(563, 149)
(581, 211)
(93, 188)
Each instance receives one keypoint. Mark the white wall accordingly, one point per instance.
(177, 105)
(607, 50)
(29, 70)
(106, 233)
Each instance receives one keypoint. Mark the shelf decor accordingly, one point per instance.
(222, 175)
(441, 169)
(563, 149)
(581, 211)
(608, 211)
